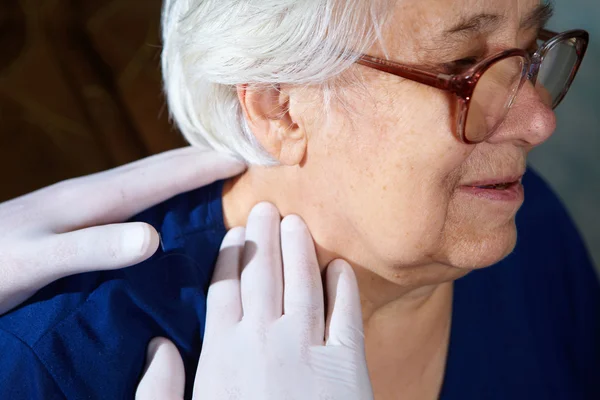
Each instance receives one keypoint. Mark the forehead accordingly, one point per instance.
(415, 26)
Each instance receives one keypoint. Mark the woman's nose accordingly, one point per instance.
(530, 121)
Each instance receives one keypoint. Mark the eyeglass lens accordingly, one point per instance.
(556, 70)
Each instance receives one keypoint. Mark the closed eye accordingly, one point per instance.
(461, 65)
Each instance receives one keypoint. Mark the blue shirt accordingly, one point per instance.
(527, 328)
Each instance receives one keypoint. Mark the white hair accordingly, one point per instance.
(210, 46)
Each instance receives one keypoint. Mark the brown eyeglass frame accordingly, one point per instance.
(463, 85)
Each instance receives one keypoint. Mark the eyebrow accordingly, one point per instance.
(537, 18)
(478, 23)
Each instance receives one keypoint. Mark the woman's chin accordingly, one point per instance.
(482, 250)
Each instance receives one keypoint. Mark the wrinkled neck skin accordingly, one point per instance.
(386, 306)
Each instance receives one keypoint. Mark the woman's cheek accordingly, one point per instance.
(408, 222)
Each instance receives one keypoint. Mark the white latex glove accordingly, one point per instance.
(73, 226)
(266, 327)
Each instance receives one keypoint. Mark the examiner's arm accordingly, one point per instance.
(77, 225)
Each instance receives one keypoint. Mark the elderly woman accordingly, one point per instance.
(399, 132)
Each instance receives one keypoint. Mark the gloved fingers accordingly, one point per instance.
(303, 288)
(46, 259)
(117, 195)
(164, 375)
(97, 248)
(224, 302)
(345, 325)
(262, 275)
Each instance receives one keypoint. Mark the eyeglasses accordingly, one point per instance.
(486, 91)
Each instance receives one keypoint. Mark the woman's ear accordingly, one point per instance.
(266, 109)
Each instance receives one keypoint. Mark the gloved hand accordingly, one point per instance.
(267, 334)
(73, 226)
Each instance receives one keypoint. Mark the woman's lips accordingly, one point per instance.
(497, 190)
(517, 178)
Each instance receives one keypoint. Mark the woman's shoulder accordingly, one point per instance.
(531, 323)
(550, 252)
(186, 215)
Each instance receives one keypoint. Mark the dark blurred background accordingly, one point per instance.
(80, 89)
(80, 92)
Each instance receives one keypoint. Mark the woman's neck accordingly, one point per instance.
(407, 326)
(380, 298)
(407, 350)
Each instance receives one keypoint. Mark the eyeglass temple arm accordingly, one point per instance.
(436, 80)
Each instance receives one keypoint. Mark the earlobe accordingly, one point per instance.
(293, 149)
(266, 109)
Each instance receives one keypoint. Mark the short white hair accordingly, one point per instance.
(210, 46)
